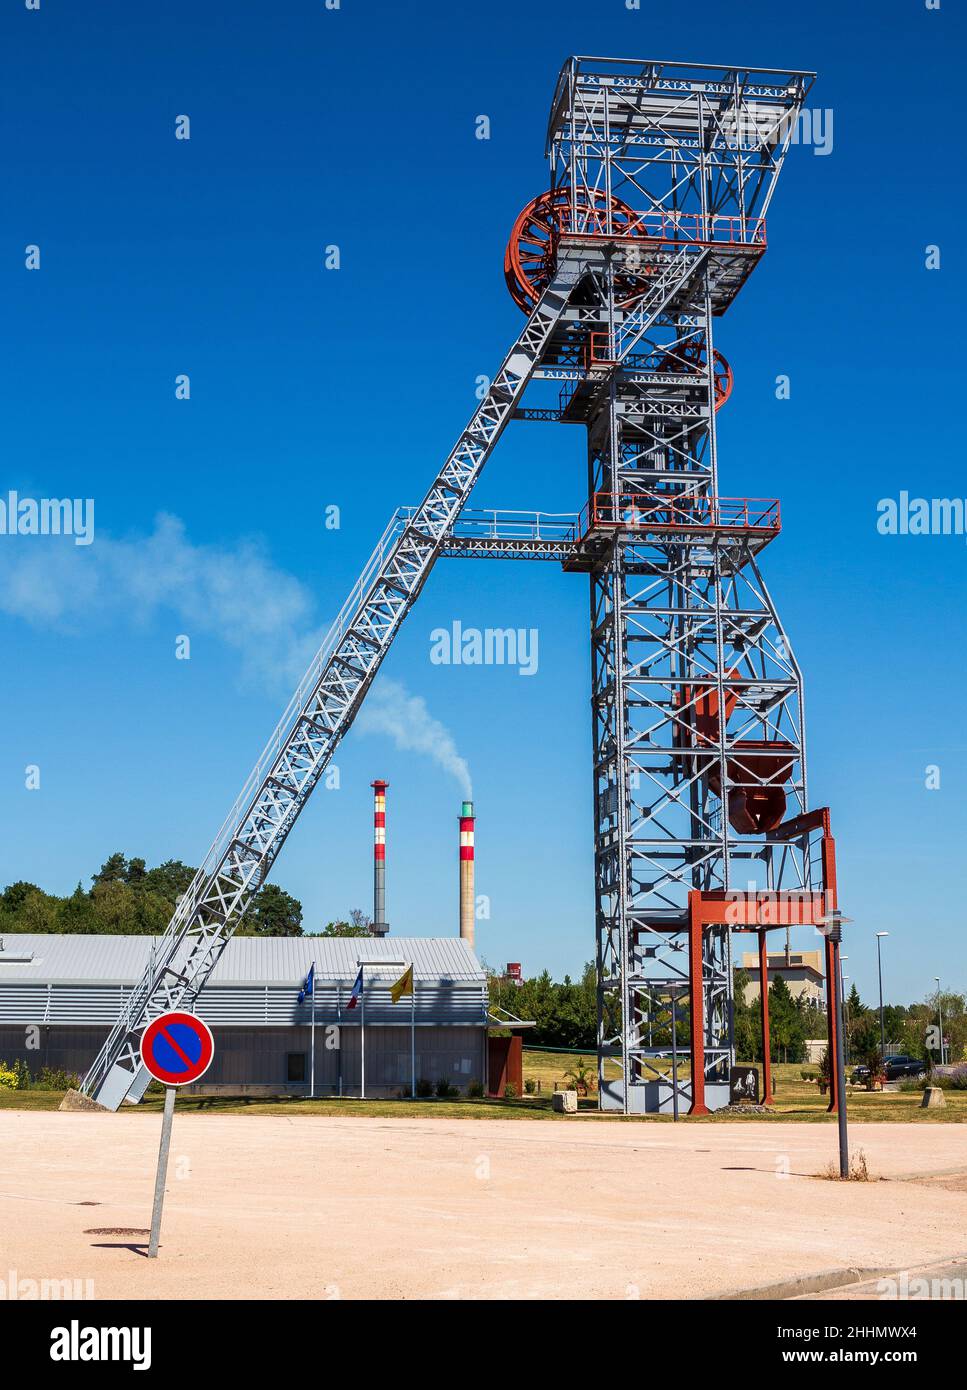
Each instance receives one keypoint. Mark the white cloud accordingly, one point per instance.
(235, 594)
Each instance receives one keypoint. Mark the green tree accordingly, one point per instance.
(344, 929)
(37, 913)
(274, 912)
(813, 1019)
(169, 880)
(113, 870)
(115, 908)
(786, 1031)
(76, 913)
(565, 1014)
(866, 1051)
(855, 1007)
(15, 895)
(747, 1019)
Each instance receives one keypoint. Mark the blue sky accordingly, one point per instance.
(312, 388)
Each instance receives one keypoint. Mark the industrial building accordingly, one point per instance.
(59, 996)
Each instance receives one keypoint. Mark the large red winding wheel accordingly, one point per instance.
(532, 249)
(690, 356)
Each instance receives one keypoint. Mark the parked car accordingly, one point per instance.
(899, 1066)
(895, 1066)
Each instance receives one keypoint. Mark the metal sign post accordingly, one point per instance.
(159, 1182)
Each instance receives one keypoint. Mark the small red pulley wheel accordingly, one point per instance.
(690, 355)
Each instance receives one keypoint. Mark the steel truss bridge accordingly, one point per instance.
(661, 175)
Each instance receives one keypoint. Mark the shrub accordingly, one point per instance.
(56, 1079)
(530, 1086)
(947, 1081)
(16, 1077)
(475, 1090)
(444, 1090)
(510, 1091)
(424, 1088)
(825, 1072)
(582, 1078)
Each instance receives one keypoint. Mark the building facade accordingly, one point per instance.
(801, 970)
(59, 996)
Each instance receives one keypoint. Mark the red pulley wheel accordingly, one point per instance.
(691, 355)
(532, 249)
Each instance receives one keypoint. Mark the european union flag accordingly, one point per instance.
(306, 990)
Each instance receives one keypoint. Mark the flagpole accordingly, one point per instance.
(312, 1063)
(339, 1030)
(362, 1033)
(412, 1032)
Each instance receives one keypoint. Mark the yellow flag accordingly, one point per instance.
(404, 985)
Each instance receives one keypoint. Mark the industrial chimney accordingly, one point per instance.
(380, 925)
(466, 874)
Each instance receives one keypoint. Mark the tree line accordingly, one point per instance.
(126, 898)
(794, 1020)
(566, 1016)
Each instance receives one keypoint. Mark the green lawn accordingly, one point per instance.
(253, 1105)
(796, 1099)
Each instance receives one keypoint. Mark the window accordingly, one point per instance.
(295, 1066)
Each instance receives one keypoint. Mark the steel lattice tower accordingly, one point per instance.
(661, 176)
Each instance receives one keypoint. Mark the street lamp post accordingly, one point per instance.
(879, 966)
(940, 1019)
(833, 928)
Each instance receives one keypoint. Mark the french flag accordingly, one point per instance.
(357, 991)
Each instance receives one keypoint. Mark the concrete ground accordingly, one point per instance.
(307, 1207)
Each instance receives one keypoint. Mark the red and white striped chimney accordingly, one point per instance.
(380, 925)
(467, 901)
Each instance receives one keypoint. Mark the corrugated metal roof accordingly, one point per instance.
(245, 960)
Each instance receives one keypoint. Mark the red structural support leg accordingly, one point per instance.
(697, 1003)
(767, 1097)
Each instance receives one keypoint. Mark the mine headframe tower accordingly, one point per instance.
(661, 175)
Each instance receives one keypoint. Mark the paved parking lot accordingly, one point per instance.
(302, 1207)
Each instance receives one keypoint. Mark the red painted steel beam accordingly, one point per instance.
(697, 1003)
(767, 1097)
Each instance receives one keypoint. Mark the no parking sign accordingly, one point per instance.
(177, 1048)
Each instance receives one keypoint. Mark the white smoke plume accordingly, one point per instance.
(390, 709)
